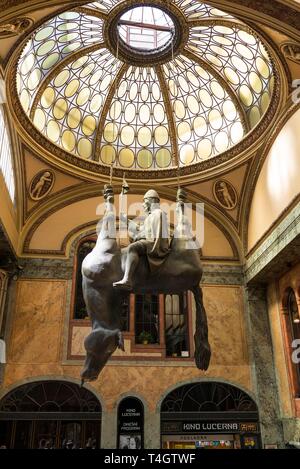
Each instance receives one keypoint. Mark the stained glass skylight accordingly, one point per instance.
(197, 102)
(146, 28)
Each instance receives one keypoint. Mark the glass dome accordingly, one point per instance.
(145, 86)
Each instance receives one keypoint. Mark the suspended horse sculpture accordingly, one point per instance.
(148, 265)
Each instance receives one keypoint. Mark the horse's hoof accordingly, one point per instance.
(202, 357)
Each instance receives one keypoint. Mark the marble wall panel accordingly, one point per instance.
(37, 322)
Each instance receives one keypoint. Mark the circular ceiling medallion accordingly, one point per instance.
(149, 33)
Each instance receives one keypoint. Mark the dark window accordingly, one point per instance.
(80, 309)
(176, 314)
(50, 415)
(294, 325)
(147, 319)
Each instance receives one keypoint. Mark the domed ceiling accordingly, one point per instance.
(145, 85)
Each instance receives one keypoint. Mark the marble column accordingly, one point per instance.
(263, 366)
(152, 430)
(109, 430)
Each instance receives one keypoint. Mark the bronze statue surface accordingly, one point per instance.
(148, 265)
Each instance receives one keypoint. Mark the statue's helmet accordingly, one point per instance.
(152, 194)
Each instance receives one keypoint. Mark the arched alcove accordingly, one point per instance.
(50, 414)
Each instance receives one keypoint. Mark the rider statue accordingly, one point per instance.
(152, 241)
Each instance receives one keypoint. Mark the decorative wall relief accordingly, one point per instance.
(41, 185)
(225, 194)
(291, 51)
(15, 27)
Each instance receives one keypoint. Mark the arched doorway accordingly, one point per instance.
(209, 415)
(50, 414)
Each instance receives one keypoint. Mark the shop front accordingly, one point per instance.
(209, 415)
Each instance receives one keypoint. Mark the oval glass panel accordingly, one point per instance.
(50, 61)
(184, 131)
(130, 113)
(74, 118)
(39, 119)
(246, 95)
(34, 79)
(108, 154)
(68, 140)
(229, 110)
(110, 132)
(205, 98)
(159, 113)
(145, 92)
(255, 82)
(85, 148)
(83, 96)
(187, 154)
(200, 126)
(47, 97)
(72, 88)
(156, 92)
(27, 64)
(88, 125)
(163, 158)
(60, 108)
(215, 119)
(127, 135)
(45, 48)
(115, 110)
(44, 33)
(237, 132)
(145, 159)
(179, 109)
(161, 135)
(204, 148)
(144, 114)
(53, 130)
(61, 78)
(193, 105)
(126, 158)
(221, 142)
(133, 91)
(96, 103)
(144, 136)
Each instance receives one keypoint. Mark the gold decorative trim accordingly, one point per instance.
(104, 112)
(41, 184)
(170, 115)
(15, 27)
(92, 12)
(291, 51)
(225, 194)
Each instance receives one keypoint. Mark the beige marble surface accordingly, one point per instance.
(37, 322)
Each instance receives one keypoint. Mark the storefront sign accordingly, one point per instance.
(130, 424)
(209, 427)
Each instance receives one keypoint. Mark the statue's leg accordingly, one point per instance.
(132, 261)
(104, 311)
(202, 347)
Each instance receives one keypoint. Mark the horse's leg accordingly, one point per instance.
(202, 347)
(104, 311)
